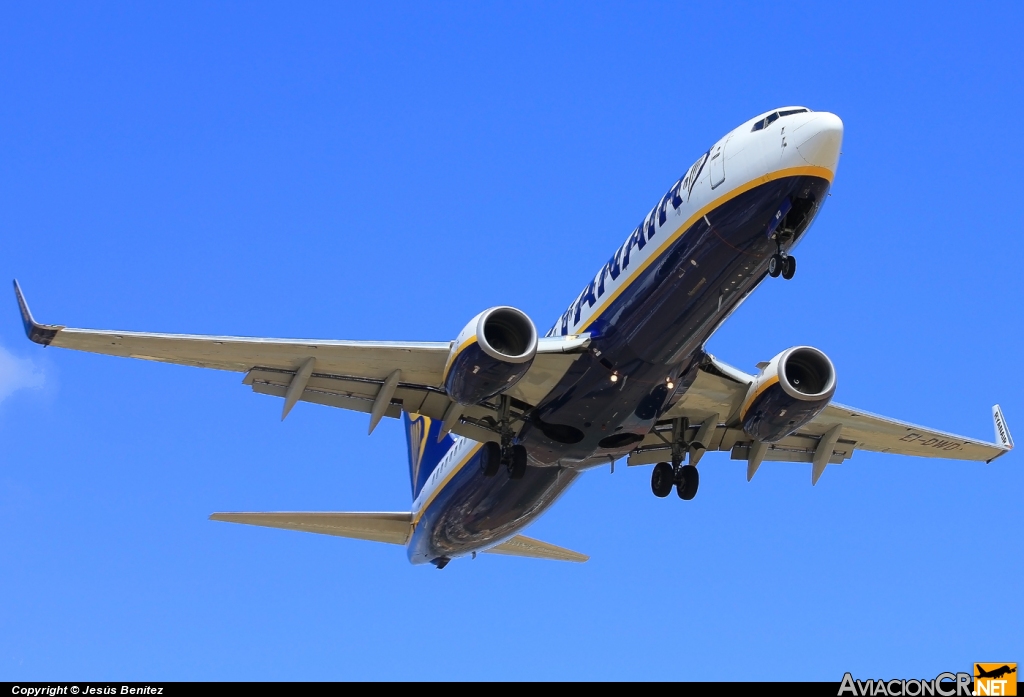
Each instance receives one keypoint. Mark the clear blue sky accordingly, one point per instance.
(385, 172)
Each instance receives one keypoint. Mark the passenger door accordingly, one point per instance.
(718, 164)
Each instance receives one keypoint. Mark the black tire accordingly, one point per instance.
(689, 480)
(789, 268)
(775, 265)
(517, 465)
(490, 459)
(662, 479)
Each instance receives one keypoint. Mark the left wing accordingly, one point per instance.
(381, 378)
(708, 414)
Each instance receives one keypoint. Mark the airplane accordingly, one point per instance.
(995, 673)
(501, 421)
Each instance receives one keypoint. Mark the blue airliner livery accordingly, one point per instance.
(501, 421)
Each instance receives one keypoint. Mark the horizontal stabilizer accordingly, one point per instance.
(393, 528)
(521, 546)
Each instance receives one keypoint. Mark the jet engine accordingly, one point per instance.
(490, 355)
(792, 389)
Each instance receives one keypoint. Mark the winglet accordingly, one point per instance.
(39, 333)
(1003, 436)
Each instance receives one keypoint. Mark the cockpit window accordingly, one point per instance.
(767, 121)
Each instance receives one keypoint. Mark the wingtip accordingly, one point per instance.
(39, 333)
(1003, 437)
(26, 314)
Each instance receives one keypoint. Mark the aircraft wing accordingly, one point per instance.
(710, 409)
(379, 378)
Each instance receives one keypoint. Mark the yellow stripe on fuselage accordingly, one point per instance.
(808, 171)
(448, 477)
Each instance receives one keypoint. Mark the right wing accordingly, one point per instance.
(710, 412)
(381, 378)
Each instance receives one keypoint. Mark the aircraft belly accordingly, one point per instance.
(472, 512)
(653, 332)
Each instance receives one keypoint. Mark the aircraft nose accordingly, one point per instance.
(819, 138)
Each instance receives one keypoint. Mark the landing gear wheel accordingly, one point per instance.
(775, 265)
(689, 480)
(490, 459)
(662, 479)
(517, 463)
(788, 267)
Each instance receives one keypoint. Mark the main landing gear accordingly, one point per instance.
(684, 478)
(514, 458)
(782, 264)
(511, 457)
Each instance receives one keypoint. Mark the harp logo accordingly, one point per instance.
(419, 429)
(995, 679)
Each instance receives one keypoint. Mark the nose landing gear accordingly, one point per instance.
(782, 264)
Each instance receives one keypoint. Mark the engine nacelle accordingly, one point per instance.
(791, 390)
(490, 355)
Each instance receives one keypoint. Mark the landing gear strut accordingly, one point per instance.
(684, 478)
(513, 457)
